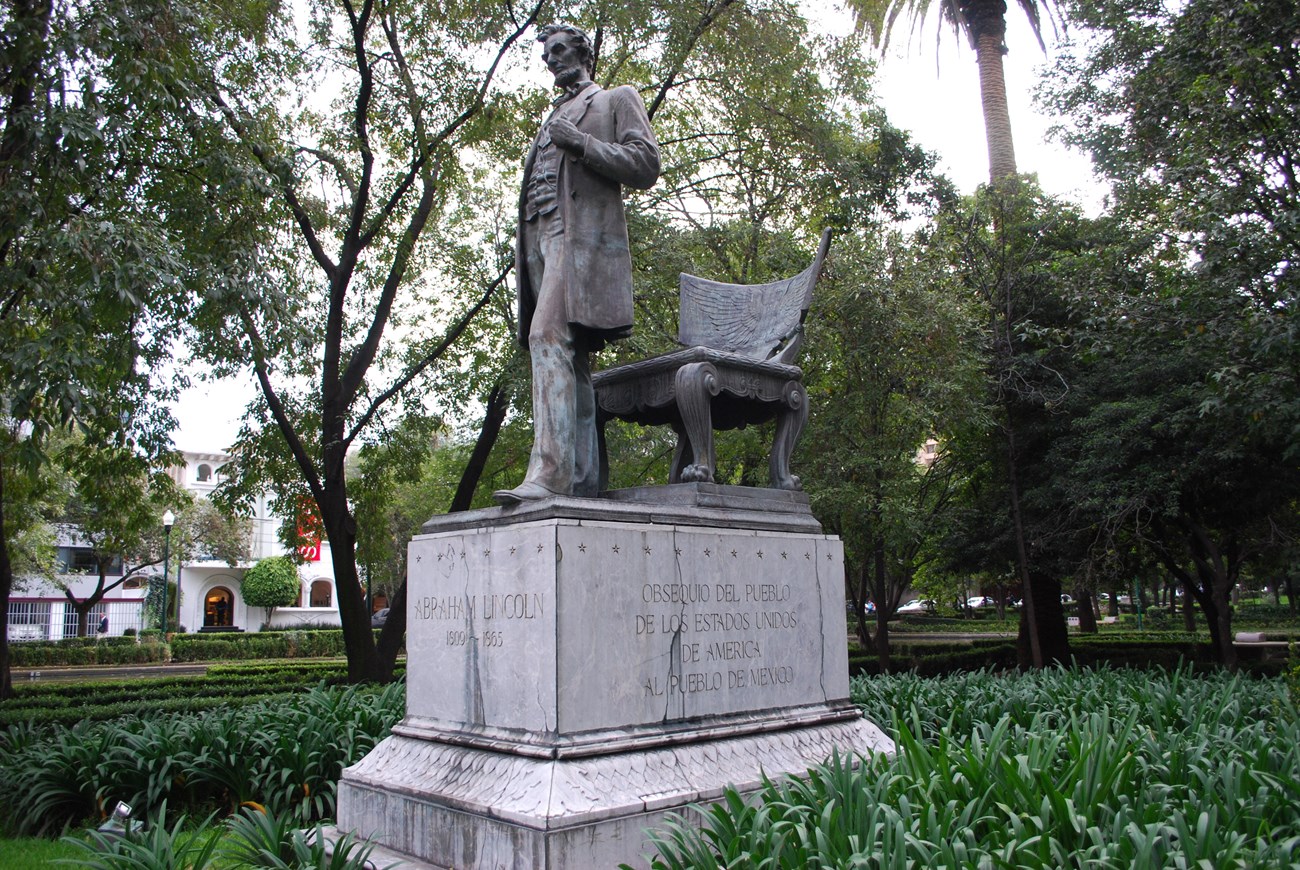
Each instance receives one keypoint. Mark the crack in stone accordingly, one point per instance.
(821, 627)
(675, 646)
(476, 714)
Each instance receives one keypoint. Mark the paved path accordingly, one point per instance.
(107, 672)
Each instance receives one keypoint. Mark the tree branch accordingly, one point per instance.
(282, 178)
(291, 437)
(428, 359)
(425, 153)
(710, 15)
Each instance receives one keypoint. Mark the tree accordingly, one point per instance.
(366, 191)
(272, 582)
(1193, 112)
(91, 275)
(1023, 256)
(896, 364)
(116, 499)
(984, 24)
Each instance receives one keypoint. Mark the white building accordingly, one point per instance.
(39, 610)
(209, 591)
(210, 598)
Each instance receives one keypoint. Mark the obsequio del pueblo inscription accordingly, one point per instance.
(703, 651)
(696, 623)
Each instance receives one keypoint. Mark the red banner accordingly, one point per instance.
(310, 531)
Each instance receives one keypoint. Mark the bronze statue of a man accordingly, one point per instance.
(572, 263)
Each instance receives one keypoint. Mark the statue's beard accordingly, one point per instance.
(568, 76)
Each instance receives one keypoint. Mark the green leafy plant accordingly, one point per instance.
(155, 847)
(271, 583)
(263, 840)
(1061, 768)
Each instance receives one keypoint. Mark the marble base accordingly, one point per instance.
(579, 668)
(455, 806)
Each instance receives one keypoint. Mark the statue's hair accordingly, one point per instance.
(585, 46)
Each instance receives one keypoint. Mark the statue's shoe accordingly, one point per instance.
(525, 491)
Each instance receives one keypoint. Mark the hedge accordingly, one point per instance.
(313, 643)
(223, 686)
(75, 652)
(1142, 651)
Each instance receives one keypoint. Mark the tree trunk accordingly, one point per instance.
(341, 529)
(1189, 608)
(392, 634)
(993, 99)
(1087, 613)
(1030, 639)
(6, 587)
(1049, 617)
(497, 404)
(1218, 567)
(884, 653)
(857, 592)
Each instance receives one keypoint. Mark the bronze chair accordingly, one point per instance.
(736, 367)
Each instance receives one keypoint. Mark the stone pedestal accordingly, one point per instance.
(579, 668)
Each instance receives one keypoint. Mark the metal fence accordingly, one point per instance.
(54, 620)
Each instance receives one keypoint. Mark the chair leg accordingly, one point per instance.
(682, 456)
(602, 453)
(697, 384)
(789, 426)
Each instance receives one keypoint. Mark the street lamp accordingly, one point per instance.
(168, 518)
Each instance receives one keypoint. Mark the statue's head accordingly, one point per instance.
(567, 53)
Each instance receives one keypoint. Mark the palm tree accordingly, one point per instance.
(985, 23)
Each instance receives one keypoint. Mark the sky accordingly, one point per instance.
(940, 108)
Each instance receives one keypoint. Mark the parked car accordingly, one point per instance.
(917, 605)
(980, 601)
(379, 617)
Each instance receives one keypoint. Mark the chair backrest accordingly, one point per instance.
(760, 321)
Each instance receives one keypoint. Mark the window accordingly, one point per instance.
(205, 473)
(81, 560)
(29, 620)
(321, 593)
(136, 582)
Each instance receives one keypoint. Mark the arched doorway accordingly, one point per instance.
(218, 608)
(321, 593)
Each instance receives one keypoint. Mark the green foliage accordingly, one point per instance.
(258, 645)
(34, 853)
(1293, 678)
(250, 839)
(78, 652)
(156, 847)
(39, 704)
(875, 402)
(98, 272)
(1191, 111)
(286, 754)
(1049, 769)
(273, 582)
(262, 840)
